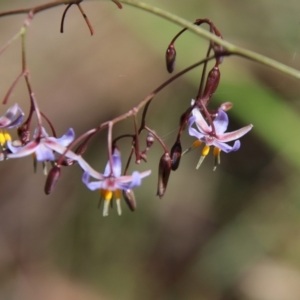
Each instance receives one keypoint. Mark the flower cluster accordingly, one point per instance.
(111, 183)
(209, 127)
(45, 148)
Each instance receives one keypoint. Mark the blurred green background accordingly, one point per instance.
(227, 235)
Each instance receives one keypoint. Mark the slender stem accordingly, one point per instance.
(229, 47)
(158, 138)
(15, 37)
(136, 140)
(86, 19)
(12, 87)
(233, 49)
(63, 17)
(109, 145)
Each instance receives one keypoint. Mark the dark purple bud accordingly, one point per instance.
(212, 82)
(170, 58)
(129, 198)
(163, 174)
(176, 155)
(52, 179)
(149, 140)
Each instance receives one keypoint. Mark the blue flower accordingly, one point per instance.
(43, 146)
(217, 137)
(12, 118)
(111, 183)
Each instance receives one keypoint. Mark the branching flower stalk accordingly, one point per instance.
(211, 124)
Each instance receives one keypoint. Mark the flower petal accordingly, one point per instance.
(18, 152)
(94, 185)
(221, 122)
(129, 182)
(12, 117)
(116, 165)
(87, 168)
(227, 148)
(16, 122)
(200, 121)
(231, 136)
(193, 132)
(67, 138)
(43, 153)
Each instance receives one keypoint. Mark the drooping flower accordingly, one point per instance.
(217, 137)
(12, 118)
(111, 183)
(43, 146)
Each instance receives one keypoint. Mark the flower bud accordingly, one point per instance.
(170, 58)
(149, 140)
(52, 179)
(129, 198)
(163, 174)
(176, 155)
(226, 106)
(212, 82)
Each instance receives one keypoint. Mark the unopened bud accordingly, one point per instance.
(149, 140)
(170, 58)
(52, 179)
(129, 198)
(212, 82)
(176, 155)
(226, 106)
(164, 170)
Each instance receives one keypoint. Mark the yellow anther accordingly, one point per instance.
(2, 139)
(7, 136)
(204, 153)
(205, 150)
(106, 194)
(217, 151)
(118, 194)
(196, 144)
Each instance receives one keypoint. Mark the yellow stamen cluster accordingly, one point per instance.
(204, 152)
(4, 137)
(107, 196)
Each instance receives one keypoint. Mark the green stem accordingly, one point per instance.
(233, 49)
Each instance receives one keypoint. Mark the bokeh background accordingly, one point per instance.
(233, 234)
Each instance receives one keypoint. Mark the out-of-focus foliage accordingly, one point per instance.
(229, 234)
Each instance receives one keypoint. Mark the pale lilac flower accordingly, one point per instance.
(43, 146)
(12, 118)
(219, 138)
(110, 183)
